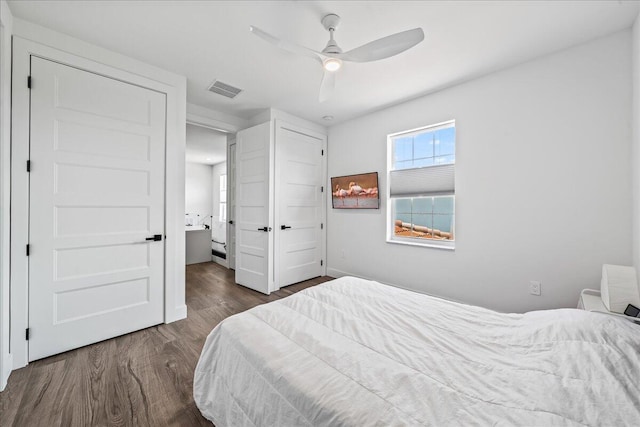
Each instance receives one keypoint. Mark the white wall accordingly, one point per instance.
(213, 119)
(198, 191)
(635, 142)
(543, 182)
(274, 114)
(6, 24)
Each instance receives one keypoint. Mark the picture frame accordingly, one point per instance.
(355, 191)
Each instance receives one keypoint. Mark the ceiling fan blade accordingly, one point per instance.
(327, 86)
(384, 47)
(285, 45)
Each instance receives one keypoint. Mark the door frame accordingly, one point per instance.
(80, 55)
(230, 130)
(282, 124)
(231, 140)
(6, 31)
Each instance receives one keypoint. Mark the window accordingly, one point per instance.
(421, 166)
(223, 198)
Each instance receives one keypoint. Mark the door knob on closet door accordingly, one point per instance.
(284, 227)
(155, 238)
(264, 229)
(231, 221)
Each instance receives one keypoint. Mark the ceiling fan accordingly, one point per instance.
(331, 57)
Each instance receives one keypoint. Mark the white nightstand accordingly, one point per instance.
(590, 300)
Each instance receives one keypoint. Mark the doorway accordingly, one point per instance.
(206, 195)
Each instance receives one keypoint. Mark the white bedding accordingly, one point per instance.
(357, 353)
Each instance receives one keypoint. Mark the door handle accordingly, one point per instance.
(267, 229)
(284, 227)
(155, 238)
(231, 221)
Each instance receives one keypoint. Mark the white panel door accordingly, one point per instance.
(231, 205)
(254, 208)
(96, 197)
(299, 203)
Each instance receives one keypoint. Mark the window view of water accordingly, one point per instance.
(424, 217)
(418, 157)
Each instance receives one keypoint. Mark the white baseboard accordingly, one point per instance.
(333, 272)
(223, 262)
(7, 367)
(177, 314)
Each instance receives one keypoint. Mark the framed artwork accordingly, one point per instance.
(355, 191)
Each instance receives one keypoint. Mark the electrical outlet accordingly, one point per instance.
(535, 288)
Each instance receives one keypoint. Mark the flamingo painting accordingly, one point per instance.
(356, 191)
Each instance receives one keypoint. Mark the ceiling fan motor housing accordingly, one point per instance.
(330, 23)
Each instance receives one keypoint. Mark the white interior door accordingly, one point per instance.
(254, 212)
(231, 205)
(96, 197)
(299, 203)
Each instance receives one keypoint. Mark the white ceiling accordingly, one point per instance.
(207, 40)
(205, 145)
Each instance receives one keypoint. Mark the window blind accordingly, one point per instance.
(426, 181)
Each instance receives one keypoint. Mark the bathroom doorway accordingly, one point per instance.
(206, 192)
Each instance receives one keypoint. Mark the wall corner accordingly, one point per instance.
(635, 143)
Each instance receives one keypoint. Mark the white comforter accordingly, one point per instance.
(357, 353)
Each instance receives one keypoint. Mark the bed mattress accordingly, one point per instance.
(354, 352)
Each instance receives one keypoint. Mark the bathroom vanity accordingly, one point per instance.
(198, 244)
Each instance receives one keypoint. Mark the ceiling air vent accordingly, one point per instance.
(224, 89)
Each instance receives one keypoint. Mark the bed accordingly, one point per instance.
(354, 352)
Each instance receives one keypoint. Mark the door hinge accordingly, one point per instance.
(321, 226)
(29, 82)
(321, 262)
(322, 189)
(322, 153)
(27, 249)
(28, 165)
(26, 334)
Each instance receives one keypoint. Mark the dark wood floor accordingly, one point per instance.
(140, 379)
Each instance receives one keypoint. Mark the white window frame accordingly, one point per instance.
(222, 211)
(415, 241)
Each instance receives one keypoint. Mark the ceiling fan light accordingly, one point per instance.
(332, 64)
